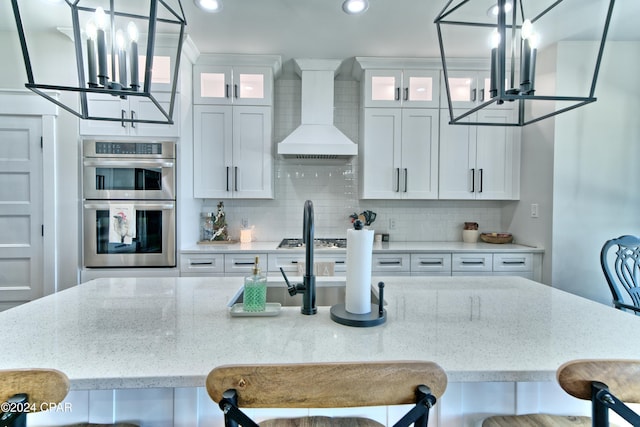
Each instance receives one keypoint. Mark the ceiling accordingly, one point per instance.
(319, 28)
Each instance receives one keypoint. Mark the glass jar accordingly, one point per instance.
(207, 220)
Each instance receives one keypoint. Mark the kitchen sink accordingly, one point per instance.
(328, 293)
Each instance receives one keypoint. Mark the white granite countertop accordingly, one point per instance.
(411, 247)
(170, 332)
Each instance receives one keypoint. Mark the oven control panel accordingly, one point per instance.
(131, 149)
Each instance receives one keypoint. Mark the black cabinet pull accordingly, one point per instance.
(243, 263)
(235, 91)
(133, 117)
(406, 177)
(481, 178)
(227, 178)
(201, 263)
(406, 93)
(481, 95)
(123, 115)
(226, 90)
(397, 180)
(389, 262)
(397, 94)
(473, 95)
(235, 178)
(473, 180)
(513, 263)
(430, 262)
(472, 262)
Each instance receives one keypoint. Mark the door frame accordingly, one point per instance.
(26, 103)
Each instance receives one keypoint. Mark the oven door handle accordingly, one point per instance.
(136, 206)
(129, 164)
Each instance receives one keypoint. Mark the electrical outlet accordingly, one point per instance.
(534, 210)
(392, 223)
(245, 222)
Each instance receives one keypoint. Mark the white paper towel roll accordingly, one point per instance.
(358, 292)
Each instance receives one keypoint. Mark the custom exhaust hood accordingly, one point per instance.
(317, 138)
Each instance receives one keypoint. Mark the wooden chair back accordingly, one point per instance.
(622, 271)
(42, 386)
(326, 385)
(621, 376)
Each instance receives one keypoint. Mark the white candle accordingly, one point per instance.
(100, 21)
(122, 59)
(495, 42)
(92, 77)
(133, 52)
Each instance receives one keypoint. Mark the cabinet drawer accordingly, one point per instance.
(439, 264)
(242, 264)
(391, 263)
(472, 262)
(512, 262)
(202, 263)
(290, 262)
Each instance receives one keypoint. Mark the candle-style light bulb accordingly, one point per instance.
(100, 18)
(527, 29)
(134, 34)
(122, 58)
(100, 21)
(92, 33)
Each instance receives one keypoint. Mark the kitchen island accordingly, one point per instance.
(123, 342)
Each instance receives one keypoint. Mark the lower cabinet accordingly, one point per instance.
(210, 264)
(524, 264)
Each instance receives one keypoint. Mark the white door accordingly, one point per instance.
(252, 161)
(495, 154)
(212, 151)
(20, 210)
(457, 159)
(419, 173)
(381, 155)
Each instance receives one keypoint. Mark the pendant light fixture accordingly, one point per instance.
(115, 47)
(514, 30)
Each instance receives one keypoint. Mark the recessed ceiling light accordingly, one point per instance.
(212, 6)
(355, 7)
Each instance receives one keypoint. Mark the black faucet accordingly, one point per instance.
(308, 285)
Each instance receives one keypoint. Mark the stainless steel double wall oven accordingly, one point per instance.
(129, 198)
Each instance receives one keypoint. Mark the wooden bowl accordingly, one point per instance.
(496, 237)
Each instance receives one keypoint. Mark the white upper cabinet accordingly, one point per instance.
(226, 85)
(232, 152)
(233, 126)
(479, 162)
(399, 156)
(131, 108)
(401, 88)
(469, 89)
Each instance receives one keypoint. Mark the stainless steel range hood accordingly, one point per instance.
(317, 138)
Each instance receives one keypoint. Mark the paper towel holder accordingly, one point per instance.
(377, 315)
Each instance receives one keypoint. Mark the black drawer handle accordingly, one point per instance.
(201, 263)
(430, 262)
(473, 262)
(243, 263)
(389, 262)
(339, 262)
(514, 262)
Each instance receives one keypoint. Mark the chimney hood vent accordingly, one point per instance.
(317, 138)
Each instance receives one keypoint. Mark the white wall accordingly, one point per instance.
(596, 172)
(536, 172)
(53, 62)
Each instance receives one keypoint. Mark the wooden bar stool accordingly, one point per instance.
(608, 384)
(39, 389)
(326, 385)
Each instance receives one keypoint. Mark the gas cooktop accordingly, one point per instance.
(317, 243)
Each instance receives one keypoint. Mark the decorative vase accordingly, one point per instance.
(470, 236)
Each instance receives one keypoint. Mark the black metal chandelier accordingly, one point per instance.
(509, 26)
(110, 65)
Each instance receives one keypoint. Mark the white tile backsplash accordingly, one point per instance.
(333, 188)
